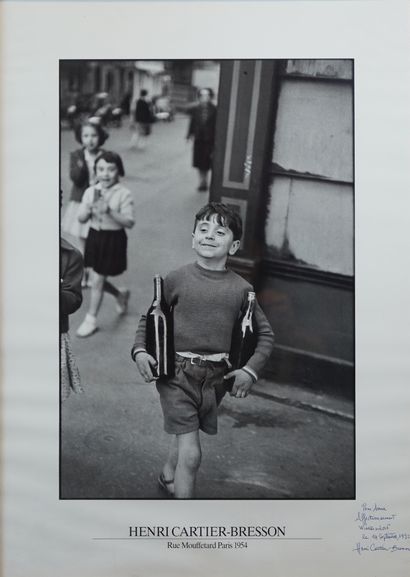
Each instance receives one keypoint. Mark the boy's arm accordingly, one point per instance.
(139, 342)
(264, 343)
(247, 375)
(140, 334)
(142, 359)
(139, 355)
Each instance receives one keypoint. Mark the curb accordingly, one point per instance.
(330, 405)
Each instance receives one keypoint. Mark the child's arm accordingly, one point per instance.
(70, 294)
(264, 342)
(246, 376)
(145, 364)
(84, 212)
(191, 129)
(124, 216)
(78, 169)
(143, 360)
(242, 384)
(86, 206)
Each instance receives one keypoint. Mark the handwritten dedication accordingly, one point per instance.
(379, 530)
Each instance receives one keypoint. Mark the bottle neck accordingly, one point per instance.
(247, 319)
(157, 289)
(251, 304)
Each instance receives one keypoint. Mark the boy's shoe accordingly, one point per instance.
(122, 301)
(87, 327)
(202, 188)
(163, 484)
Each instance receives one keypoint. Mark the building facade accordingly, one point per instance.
(79, 78)
(178, 79)
(284, 159)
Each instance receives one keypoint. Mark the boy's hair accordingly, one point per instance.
(102, 134)
(225, 216)
(111, 158)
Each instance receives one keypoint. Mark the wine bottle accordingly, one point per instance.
(243, 341)
(159, 332)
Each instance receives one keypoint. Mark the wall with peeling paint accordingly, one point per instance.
(311, 223)
(323, 68)
(310, 212)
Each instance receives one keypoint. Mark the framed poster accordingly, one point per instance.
(123, 451)
(80, 480)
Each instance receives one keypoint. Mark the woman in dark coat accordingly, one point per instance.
(144, 118)
(202, 129)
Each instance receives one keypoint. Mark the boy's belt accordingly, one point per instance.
(217, 359)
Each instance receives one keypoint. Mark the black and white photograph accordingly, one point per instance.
(207, 279)
(204, 320)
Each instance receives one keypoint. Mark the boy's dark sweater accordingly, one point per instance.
(206, 304)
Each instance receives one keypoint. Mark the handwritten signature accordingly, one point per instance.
(360, 548)
(378, 534)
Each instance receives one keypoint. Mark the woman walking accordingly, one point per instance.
(202, 130)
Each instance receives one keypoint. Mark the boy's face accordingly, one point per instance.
(213, 241)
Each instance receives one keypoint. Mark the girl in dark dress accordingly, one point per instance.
(91, 136)
(108, 206)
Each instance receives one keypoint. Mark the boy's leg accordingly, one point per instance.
(189, 459)
(172, 460)
(168, 470)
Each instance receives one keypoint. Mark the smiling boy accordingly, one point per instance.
(206, 299)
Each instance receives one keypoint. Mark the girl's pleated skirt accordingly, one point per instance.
(106, 251)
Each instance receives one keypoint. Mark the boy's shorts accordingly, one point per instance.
(190, 399)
